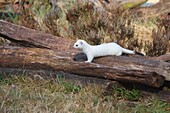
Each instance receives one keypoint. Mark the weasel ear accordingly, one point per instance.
(81, 43)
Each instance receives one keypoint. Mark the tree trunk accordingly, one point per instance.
(133, 70)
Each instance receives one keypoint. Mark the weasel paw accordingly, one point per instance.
(87, 61)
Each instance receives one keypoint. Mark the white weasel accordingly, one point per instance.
(101, 50)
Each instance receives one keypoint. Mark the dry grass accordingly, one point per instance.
(161, 38)
(81, 20)
(26, 94)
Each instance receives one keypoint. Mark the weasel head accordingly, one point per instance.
(80, 44)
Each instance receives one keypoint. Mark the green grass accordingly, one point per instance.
(122, 93)
(8, 16)
(27, 94)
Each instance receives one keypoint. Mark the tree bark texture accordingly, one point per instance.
(32, 38)
(148, 72)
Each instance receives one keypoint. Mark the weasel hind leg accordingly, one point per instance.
(118, 54)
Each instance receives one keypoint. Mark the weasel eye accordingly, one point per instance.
(76, 45)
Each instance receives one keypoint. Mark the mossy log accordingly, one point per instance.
(133, 70)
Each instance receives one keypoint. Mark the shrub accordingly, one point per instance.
(161, 38)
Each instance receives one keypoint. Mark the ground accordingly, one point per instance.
(23, 93)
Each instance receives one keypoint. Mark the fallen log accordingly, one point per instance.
(148, 72)
(59, 58)
(156, 64)
(161, 68)
(32, 38)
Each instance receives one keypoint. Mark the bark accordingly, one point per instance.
(165, 58)
(32, 38)
(124, 69)
(156, 64)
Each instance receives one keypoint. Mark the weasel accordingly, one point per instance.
(101, 50)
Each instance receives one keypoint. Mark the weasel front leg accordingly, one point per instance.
(89, 58)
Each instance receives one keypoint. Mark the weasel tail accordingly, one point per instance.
(131, 52)
(127, 51)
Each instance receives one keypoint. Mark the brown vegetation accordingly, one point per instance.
(95, 24)
(161, 38)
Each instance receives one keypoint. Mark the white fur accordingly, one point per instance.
(100, 50)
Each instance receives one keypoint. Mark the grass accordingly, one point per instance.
(122, 93)
(81, 20)
(27, 94)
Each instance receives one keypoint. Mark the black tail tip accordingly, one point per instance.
(107, 1)
(138, 53)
